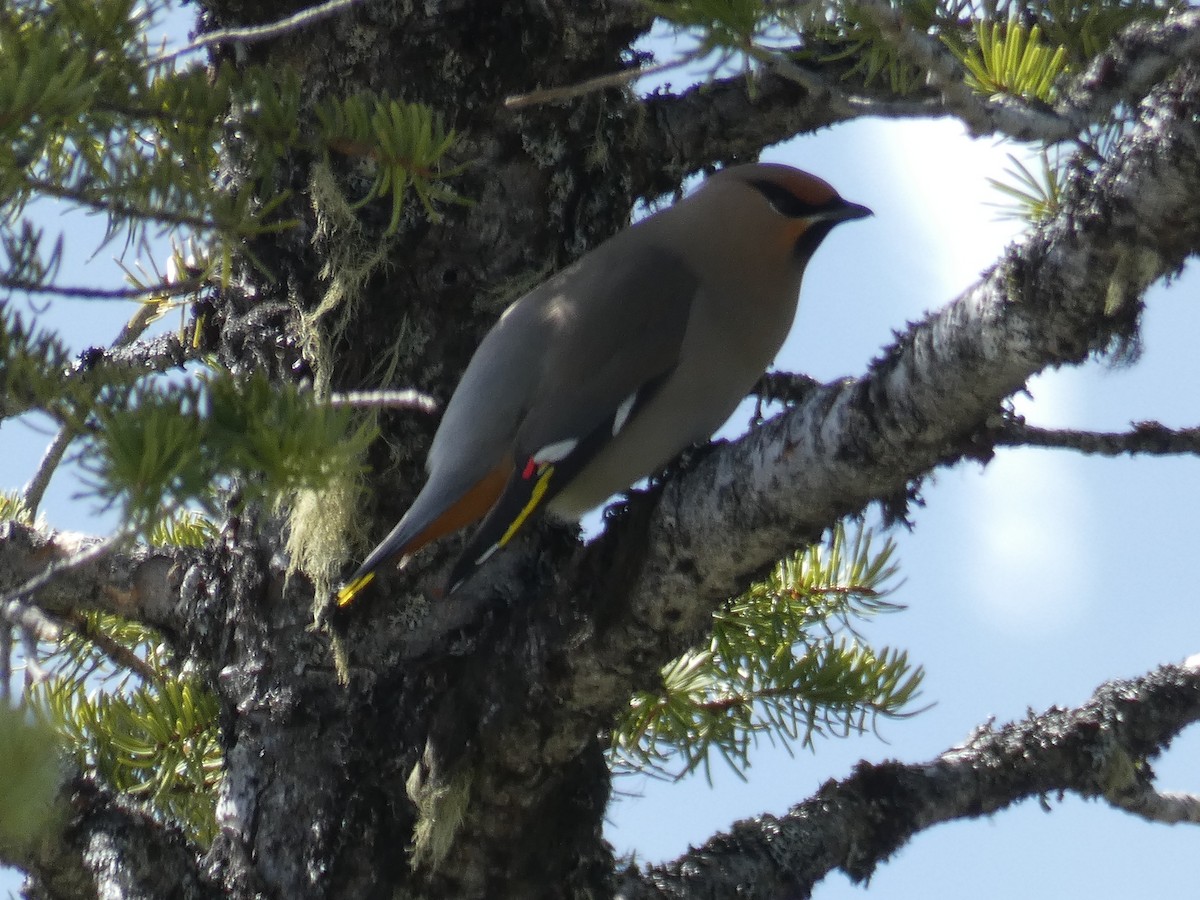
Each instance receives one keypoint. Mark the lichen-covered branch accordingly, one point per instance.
(104, 845)
(1146, 438)
(65, 572)
(1072, 288)
(733, 118)
(1099, 750)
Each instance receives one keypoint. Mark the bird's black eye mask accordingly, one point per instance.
(788, 204)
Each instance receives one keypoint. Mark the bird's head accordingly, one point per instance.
(792, 211)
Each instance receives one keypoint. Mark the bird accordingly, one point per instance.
(606, 371)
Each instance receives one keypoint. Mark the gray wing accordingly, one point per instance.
(614, 338)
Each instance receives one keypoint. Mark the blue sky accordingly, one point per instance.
(1028, 581)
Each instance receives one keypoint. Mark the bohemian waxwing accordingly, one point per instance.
(602, 374)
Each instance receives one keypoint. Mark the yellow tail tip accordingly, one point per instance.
(352, 589)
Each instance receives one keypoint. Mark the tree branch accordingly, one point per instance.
(723, 121)
(620, 78)
(1138, 58)
(69, 572)
(80, 558)
(981, 115)
(107, 840)
(162, 289)
(117, 652)
(118, 207)
(1168, 807)
(1146, 437)
(159, 354)
(854, 442)
(407, 399)
(166, 351)
(252, 34)
(36, 489)
(732, 119)
(1099, 750)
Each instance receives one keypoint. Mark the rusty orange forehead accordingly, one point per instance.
(808, 189)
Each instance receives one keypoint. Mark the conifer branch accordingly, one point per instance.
(406, 399)
(116, 206)
(1150, 438)
(981, 115)
(1098, 750)
(1168, 807)
(114, 650)
(1138, 57)
(52, 458)
(732, 117)
(252, 34)
(35, 490)
(28, 618)
(134, 292)
(599, 83)
(166, 351)
(12, 601)
(133, 581)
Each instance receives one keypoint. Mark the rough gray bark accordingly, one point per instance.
(1095, 751)
(481, 719)
(109, 847)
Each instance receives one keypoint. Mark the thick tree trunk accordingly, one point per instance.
(330, 785)
(462, 753)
